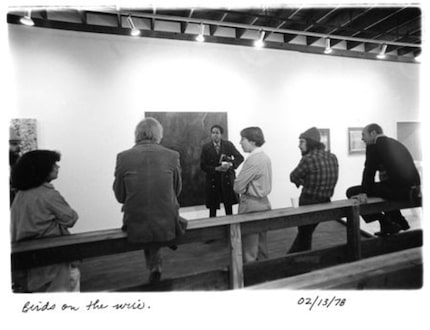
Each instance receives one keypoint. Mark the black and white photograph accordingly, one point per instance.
(177, 162)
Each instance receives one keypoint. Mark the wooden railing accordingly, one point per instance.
(396, 270)
(28, 254)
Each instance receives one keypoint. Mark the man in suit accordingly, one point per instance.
(399, 178)
(147, 183)
(219, 159)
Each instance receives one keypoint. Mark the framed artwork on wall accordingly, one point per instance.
(27, 130)
(325, 137)
(355, 144)
(186, 132)
(409, 134)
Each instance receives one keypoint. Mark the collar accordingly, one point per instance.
(48, 185)
(378, 136)
(256, 151)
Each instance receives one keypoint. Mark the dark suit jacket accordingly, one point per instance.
(147, 182)
(219, 185)
(393, 160)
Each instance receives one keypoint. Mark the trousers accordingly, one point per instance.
(303, 240)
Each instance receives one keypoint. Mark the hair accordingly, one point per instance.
(314, 145)
(33, 168)
(254, 134)
(374, 127)
(149, 129)
(219, 127)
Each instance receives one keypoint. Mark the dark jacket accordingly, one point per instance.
(219, 185)
(147, 182)
(394, 162)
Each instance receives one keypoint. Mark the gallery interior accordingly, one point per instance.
(87, 76)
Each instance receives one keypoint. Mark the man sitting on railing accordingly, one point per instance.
(399, 178)
(147, 183)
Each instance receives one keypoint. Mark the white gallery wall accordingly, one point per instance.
(88, 91)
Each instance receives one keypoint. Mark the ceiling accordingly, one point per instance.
(353, 31)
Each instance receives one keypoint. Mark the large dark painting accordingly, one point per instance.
(186, 132)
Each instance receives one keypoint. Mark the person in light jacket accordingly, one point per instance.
(148, 183)
(254, 184)
(38, 211)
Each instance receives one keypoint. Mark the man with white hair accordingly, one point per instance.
(147, 183)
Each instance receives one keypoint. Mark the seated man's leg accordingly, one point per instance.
(153, 263)
(355, 190)
(388, 191)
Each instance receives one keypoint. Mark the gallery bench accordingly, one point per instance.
(28, 254)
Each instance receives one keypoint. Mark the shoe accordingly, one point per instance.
(402, 223)
(388, 227)
(155, 276)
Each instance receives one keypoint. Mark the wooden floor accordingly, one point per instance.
(128, 269)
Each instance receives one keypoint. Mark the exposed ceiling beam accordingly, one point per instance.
(269, 29)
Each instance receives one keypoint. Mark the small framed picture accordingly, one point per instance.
(355, 143)
(325, 137)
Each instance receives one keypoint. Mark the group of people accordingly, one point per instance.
(147, 182)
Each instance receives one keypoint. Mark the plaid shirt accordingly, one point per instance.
(317, 172)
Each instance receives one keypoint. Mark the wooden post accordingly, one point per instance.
(236, 262)
(353, 232)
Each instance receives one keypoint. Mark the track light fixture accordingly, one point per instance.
(200, 37)
(381, 54)
(134, 31)
(26, 19)
(260, 43)
(327, 49)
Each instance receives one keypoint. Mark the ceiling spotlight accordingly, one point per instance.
(134, 31)
(200, 37)
(327, 49)
(26, 19)
(259, 43)
(381, 54)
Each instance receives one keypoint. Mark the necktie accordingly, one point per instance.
(217, 147)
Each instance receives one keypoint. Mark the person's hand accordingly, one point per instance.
(226, 165)
(362, 198)
(221, 169)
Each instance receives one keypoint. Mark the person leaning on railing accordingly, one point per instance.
(39, 211)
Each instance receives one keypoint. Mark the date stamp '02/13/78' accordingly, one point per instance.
(321, 302)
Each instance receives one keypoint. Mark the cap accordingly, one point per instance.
(311, 134)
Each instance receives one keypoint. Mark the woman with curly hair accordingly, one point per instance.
(39, 211)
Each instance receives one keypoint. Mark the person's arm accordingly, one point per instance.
(298, 175)
(237, 157)
(246, 175)
(370, 168)
(177, 179)
(119, 184)
(64, 214)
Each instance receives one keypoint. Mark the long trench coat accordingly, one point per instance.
(219, 185)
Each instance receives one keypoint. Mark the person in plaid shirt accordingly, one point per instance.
(317, 173)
